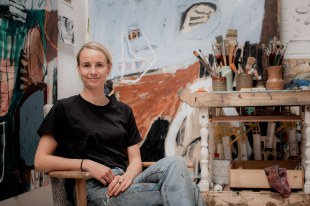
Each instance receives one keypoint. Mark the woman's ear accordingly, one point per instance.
(78, 69)
(109, 69)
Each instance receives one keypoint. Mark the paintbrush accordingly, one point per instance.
(231, 50)
(232, 35)
(259, 61)
(233, 68)
(219, 39)
(249, 65)
(225, 52)
(246, 53)
(216, 55)
(206, 60)
(283, 50)
(211, 60)
(237, 57)
(219, 45)
(204, 63)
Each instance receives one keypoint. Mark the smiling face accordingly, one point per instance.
(93, 68)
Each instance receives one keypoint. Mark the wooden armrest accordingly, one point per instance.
(86, 175)
(147, 164)
(70, 174)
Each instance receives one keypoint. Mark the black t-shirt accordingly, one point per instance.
(87, 131)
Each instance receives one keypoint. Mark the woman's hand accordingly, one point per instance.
(98, 171)
(119, 184)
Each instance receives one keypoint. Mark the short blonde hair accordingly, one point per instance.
(95, 46)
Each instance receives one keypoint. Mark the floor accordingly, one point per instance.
(250, 198)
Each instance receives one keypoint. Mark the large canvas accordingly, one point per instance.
(152, 44)
(28, 65)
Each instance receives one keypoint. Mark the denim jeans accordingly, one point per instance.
(167, 182)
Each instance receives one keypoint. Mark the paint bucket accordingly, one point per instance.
(219, 83)
(244, 81)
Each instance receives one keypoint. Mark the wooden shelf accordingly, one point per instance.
(288, 118)
(246, 98)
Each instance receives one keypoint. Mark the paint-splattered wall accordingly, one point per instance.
(28, 63)
(295, 28)
(152, 44)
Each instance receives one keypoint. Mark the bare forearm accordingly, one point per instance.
(51, 162)
(134, 169)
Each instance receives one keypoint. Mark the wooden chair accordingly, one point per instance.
(58, 180)
(58, 189)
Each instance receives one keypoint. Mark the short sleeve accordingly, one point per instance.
(134, 135)
(53, 122)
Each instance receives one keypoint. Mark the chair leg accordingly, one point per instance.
(80, 187)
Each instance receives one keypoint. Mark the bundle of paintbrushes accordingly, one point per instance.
(205, 63)
(224, 49)
(274, 52)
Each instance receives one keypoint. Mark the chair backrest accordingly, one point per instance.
(58, 188)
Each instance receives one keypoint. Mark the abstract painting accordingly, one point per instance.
(28, 68)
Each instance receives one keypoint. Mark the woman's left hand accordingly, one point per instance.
(119, 184)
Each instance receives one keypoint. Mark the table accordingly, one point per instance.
(207, 101)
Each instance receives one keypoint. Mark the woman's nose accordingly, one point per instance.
(93, 70)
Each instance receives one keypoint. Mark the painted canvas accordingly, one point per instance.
(66, 30)
(28, 66)
(152, 44)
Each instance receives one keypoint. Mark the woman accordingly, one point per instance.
(95, 133)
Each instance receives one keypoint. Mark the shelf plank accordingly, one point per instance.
(246, 98)
(275, 118)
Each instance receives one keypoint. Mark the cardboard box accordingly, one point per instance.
(251, 174)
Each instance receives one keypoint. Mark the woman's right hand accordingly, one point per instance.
(98, 171)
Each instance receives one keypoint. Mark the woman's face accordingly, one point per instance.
(93, 68)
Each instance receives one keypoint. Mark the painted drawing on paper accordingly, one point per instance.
(153, 59)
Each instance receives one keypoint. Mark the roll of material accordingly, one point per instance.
(257, 147)
(270, 134)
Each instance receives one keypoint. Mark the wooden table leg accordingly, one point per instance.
(204, 183)
(306, 136)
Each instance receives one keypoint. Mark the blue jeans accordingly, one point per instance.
(167, 182)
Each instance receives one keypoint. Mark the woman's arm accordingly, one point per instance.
(121, 183)
(46, 161)
(135, 163)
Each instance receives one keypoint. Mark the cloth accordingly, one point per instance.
(277, 178)
(86, 131)
(167, 183)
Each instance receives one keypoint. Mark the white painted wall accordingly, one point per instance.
(68, 79)
(295, 28)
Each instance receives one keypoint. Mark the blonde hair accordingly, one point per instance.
(95, 46)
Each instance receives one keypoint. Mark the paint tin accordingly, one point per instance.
(219, 83)
(244, 81)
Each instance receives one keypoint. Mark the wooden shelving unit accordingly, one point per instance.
(206, 102)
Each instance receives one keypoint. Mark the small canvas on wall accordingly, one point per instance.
(66, 31)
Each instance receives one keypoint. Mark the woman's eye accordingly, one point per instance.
(100, 65)
(86, 65)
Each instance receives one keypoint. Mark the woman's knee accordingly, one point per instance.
(175, 161)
